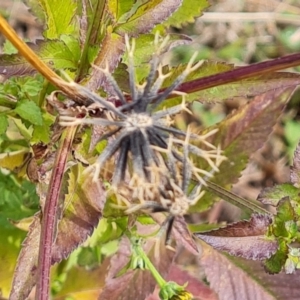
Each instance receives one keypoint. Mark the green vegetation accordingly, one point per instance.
(98, 174)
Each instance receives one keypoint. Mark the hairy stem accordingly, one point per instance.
(49, 221)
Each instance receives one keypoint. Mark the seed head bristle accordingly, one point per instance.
(155, 162)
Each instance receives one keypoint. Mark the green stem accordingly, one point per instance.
(149, 266)
(42, 95)
(94, 27)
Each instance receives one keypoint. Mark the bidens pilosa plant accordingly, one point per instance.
(115, 173)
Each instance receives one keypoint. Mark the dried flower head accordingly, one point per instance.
(157, 156)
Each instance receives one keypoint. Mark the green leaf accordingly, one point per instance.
(8, 48)
(145, 49)
(59, 54)
(3, 124)
(285, 214)
(83, 204)
(145, 15)
(18, 201)
(186, 13)
(292, 135)
(29, 111)
(17, 88)
(42, 133)
(10, 243)
(273, 195)
(29, 87)
(119, 7)
(241, 134)
(18, 198)
(275, 263)
(112, 49)
(81, 283)
(109, 229)
(89, 257)
(24, 131)
(12, 160)
(59, 17)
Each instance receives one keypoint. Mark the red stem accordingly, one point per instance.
(240, 73)
(49, 221)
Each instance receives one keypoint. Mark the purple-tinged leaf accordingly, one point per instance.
(245, 238)
(230, 281)
(241, 134)
(82, 211)
(59, 54)
(283, 286)
(145, 15)
(25, 272)
(14, 64)
(295, 168)
(274, 194)
(112, 49)
(183, 236)
(180, 232)
(198, 289)
(119, 260)
(248, 87)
